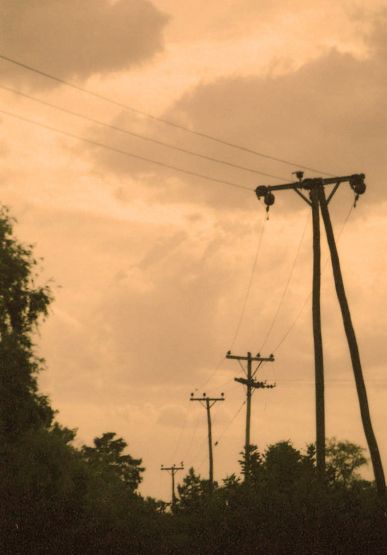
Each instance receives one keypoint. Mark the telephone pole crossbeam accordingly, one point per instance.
(208, 403)
(310, 183)
(256, 358)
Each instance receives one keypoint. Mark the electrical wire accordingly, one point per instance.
(207, 380)
(285, 290)
(200, 447)
(180, 436)
(249, 285)
(181, 127)
(124, 152)
(237, 329)
(286, 335)
(188, 449)
(333, 381)
(229, 424)
(140, 136)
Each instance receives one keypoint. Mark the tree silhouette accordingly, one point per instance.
(343, 461)
(107, 456)
(22, 305)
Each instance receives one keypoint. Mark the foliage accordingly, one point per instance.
(251, 470)
(107, 456)
(343, 460)
(22, 305)
(283, 508)
(193, 491)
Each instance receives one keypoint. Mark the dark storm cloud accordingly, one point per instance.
(77, 38)
(329, 115)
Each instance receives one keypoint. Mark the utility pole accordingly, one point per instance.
(354, 350)
(172, 471)
(251, 384)
(318, 201)
(317, 337)
(208, 403)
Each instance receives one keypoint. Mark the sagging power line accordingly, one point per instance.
(131, 109)
(123, 152)
(139, 135)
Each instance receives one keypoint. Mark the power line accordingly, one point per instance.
(161, 120)
(285, 336)
(139, 135)
(292, 325)
(333, 381)
(259, 243)
(270, 329)
(124, 152)
(180, 436)
(218, 365)
(244, 304)
(227, 427)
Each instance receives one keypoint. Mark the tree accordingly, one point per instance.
(343, 460)
(22, 305)
(253, 470)
(193, 491)
(107, 456)
(283, 463)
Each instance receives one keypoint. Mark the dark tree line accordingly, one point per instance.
(56, 498)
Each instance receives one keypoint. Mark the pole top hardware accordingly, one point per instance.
(255, 384)
(356, 182)
(299, 175)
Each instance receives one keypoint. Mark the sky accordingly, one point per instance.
(156, 272)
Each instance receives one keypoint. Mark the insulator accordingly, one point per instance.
(360, 188)
(261, 191)
(357, 184)
(269, 198)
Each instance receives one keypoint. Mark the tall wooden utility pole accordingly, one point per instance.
(318, 200)
(208, 403)
(172, 471)
(354, 350)
(250, 384)
(317, 337)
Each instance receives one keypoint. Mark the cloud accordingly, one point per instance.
(154, 279)
(77, 39)
(329, 115)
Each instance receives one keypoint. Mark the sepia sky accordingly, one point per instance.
(151, 267)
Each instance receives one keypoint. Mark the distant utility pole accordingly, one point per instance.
(318, 201)
(172, 470)
(208, 403)
(250, 384)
